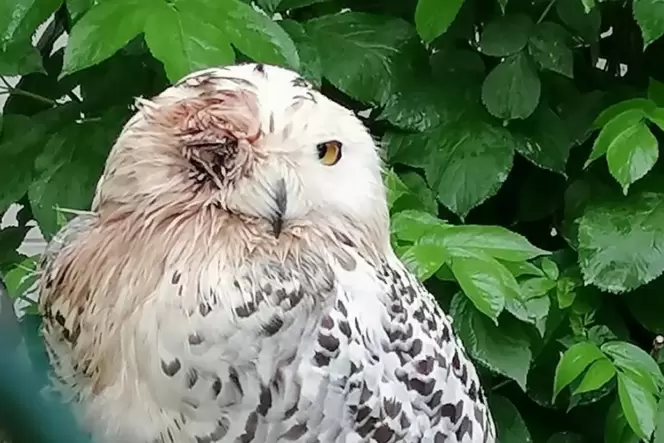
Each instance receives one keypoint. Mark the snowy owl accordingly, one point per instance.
(234, 282)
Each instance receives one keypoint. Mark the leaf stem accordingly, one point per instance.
(500, 385)
(12, 90)
(546, 11)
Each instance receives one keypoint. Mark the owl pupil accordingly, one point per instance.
(322, 149)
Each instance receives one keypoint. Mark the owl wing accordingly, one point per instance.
(391, 366)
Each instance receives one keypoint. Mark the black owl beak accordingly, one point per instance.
(280, 200)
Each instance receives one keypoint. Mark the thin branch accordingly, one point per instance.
(17, 91)
(546, 11)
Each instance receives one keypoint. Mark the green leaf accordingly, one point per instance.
(659, 423)
(504, 350)
(102, 31)
(638, 405)
(432, 17)
(656, 92)
(285, 5)
(632, 154)
(253, 33)
(510, 426)
(11, 238)
(411, 225)
(533, 304)
(621, 245)
(574, 361)
(636, 363)
(416, 101)
(269, 6)
(22, 140)
(616, 428)
(486, 282)
(649, 14)
(506, 35)
(543, 139)
(368, 45)
(512, 89)
(395, 187)
(618, 125)
(465, 162)
(566, 437)
(424, 259)
(185, 40)
(69, 167)
(20, 18)
(548, 47)
(656, 116)
(646, 305)
(613, 111)
(419, 195)
(495, 241)
(573, 14)
(20, 58)
(311, 65)
(599, 373)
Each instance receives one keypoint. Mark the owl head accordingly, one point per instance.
(253, 141)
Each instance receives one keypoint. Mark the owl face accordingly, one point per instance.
(250, 139)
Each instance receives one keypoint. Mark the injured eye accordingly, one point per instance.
(329, 152)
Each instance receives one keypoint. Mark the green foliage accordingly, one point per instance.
(522, 143)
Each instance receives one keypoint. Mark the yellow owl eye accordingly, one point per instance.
(329, 153)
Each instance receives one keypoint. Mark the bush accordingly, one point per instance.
(496, 118)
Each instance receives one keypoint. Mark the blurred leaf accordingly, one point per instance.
(367, 44)
(573, 362)
(506, 35)
(512, 89)
(548, 47)
(621, 245)
(510, 426)
(504, 349)
(635, 363)
(432, 17)
(649, 14)
(638, 405)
